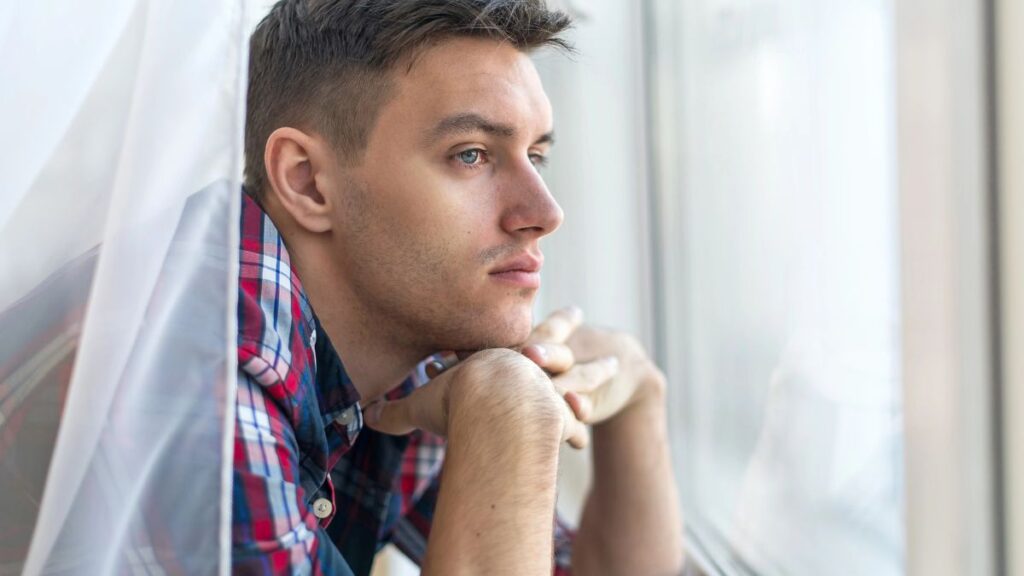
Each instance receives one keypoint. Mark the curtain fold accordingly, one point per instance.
(118, 242)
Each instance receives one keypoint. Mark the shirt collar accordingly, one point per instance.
(336, 394)
(260, 238)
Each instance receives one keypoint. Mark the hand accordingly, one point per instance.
(572, 353)
(546, 346)
(493, 384)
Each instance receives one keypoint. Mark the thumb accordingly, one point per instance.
(425, 408)
(388, 417)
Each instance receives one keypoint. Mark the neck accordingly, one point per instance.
(374, 358)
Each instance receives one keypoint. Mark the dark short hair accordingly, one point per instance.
(325, 64)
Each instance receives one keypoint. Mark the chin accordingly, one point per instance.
(505, 331)
(513, 337)
(492, 325)
(520, 323)
(506, 328)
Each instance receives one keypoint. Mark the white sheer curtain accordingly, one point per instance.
(118, 243)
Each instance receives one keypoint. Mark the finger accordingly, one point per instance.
(581, 406)
(588, 376)
(389, 417)
(557, 327)
(554, 358)
(423, 409)
(575, 433)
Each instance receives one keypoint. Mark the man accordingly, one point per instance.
(394, 210)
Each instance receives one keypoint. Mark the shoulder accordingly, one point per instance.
(274, 326)
(273, 348)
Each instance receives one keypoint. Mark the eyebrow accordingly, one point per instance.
(471, 122)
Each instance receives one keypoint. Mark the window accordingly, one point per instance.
(776, 186)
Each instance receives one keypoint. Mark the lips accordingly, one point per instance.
(522, 271)
(523, 263)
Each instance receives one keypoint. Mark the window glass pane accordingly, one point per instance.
(775, 148)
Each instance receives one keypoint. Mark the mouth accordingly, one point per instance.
(523, 271)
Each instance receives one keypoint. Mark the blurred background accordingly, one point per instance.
(812, 213)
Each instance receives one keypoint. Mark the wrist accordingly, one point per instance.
(648, 403)
(652, 388)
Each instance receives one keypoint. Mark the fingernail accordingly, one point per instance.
(574, 311)
(613, 362)
(541, 352)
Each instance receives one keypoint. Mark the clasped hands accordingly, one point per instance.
(590, 375)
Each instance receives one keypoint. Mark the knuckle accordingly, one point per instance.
(562, 351)
(492, 355)
(503, 390)
(629, 343)
(597, 370)
(656, 379)
(562, 317)
(626, 346)
(543, 333)
(502, 374)
(501, 363)
(548, 411)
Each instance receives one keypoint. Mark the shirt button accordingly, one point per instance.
(322, 508)
(347, 417)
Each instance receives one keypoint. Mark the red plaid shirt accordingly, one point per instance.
(315, 492)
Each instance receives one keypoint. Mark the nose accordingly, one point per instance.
(531, 210)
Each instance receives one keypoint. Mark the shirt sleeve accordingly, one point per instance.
(413, 529)
(564, 537)
(274, 530)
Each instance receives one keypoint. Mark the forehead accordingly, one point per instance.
(473, 75)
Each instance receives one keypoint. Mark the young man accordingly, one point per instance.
(392, 149)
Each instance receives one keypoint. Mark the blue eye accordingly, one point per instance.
(470, 156)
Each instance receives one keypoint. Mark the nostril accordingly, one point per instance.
(531, 229)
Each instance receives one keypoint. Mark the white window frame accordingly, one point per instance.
(962, 279)
(950, 316)
(1009, 31)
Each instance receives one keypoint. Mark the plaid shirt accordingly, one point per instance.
(314, 491)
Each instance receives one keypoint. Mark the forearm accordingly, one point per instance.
(497, 497)
(631, 522)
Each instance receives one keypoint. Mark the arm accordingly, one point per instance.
(631, 522)
(504, 424)
(412, 531)
(495, 506)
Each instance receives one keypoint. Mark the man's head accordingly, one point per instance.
(396, 143)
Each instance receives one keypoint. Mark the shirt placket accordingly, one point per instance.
(324, 508)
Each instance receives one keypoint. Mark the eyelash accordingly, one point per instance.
(538, 160)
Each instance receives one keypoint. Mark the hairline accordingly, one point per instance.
(325, 113)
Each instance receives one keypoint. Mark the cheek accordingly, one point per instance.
(417, 197)
(430, 227)
(446, 217)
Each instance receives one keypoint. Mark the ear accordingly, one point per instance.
(296, 165)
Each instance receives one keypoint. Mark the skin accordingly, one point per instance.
(398, 248)
(631, 522)
(397, 252)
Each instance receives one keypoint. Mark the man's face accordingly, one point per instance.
(438, 226)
